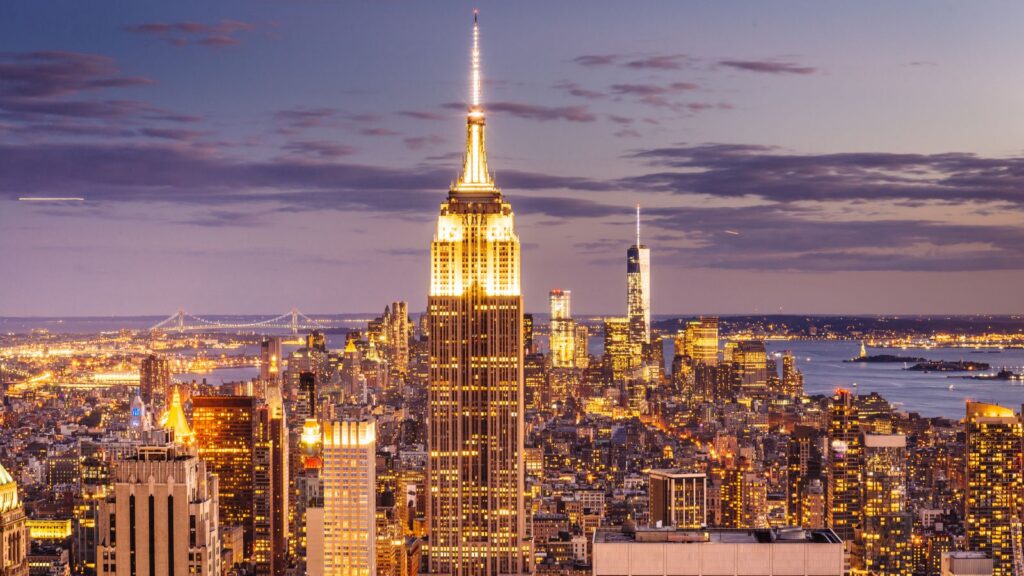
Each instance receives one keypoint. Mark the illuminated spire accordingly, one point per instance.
(475, 176)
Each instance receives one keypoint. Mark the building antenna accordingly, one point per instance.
(638, 224)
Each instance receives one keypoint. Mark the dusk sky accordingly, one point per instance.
(248, 157)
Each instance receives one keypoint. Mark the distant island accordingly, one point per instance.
(945, 366)
(1001, 375)
(883, 358)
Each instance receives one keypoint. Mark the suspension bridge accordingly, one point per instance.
(294, 320)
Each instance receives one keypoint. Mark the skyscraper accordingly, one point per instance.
(638, 288)
(620, 355)
(887, 519)
(477, 523)
(270, 358)
(161, 518)
(271, 484)
(994, 498)
(563, 330)
(225, 434)
(845, 463)
(154, 378)
(347, 543)
(678, 498)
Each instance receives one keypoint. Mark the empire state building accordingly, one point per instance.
(477, 522)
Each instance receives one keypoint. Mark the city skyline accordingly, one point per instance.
(779, 169)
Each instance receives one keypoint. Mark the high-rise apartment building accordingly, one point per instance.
(638, 289)
(14, 544)
(792, 378)
(154, 380)
(161, 518)
(845, 466)
(803, 470)
(581, 349)
(477, 521)
(886, 537)
(562, 330)
(994, 497)
(678, 498)
(346, 545)
(225, 435)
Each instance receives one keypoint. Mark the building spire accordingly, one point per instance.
(638, 224)
(475, 177)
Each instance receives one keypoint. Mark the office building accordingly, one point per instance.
(562, 330)
(154, 379)
(270, 358)
(678, 498)
(161, 518)
(477, 522)
(638, 289)
(620, 355)
(994, 497)
(346, 542)
(225, 434)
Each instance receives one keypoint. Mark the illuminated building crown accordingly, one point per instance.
(475, 177)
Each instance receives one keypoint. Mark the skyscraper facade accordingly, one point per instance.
(638, 288)
(563, 330)
(161, 518)
(477, 523)
(154, 379)
(845, 463)
(270, 358)
(225, 434)
(994, 498)
(887, 519)
(348, 541)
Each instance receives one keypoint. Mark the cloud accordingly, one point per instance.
(535, 112)
(173, 134)
(378, 131)
(768, 66)
(736, 170)
(652, 89)
(294, 120)
(320, 149)
(660, 62)
(223, 33)
(421, 142)
(54, 74)
(573, 89)
(423, 115)
(594, 60)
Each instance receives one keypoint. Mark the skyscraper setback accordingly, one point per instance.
(638, 288)
(477, 521)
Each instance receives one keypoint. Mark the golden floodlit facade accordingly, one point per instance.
(477, 524)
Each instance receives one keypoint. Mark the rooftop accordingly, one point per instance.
(615, 535)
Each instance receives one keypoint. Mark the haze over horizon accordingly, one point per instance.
(243, 157)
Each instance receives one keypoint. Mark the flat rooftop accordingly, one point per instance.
(615, 535)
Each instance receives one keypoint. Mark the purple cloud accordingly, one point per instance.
(56, 74)
(421, 142)
(423, 115)
(593, 60)
(320, 149)
(223, 33)
(573, 89)
(660, 62)
(768, 66)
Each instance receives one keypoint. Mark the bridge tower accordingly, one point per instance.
(181, 320)
(295, 321)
